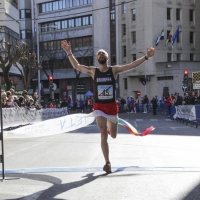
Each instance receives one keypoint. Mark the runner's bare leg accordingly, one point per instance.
(102, 124)
(112, 128)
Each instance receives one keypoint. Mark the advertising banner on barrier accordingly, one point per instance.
(23, 116)
(185, 112)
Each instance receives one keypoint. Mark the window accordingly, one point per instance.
(57, 44)
(78, 21)
(133, 57)
(50, 45)
(134, 37)
(48, 7)
(71, 23)
(91, 20)
(124, 51)
(57, 25)
(75, 2)
(85, 21)
(55, 5)
(191, 57)
(178, 38)
(26, 34)
(43, 29)
(169, 57)
(123, 8)
(64, 24)
(124, 29)
(178, 57)
(91, 40)
(125, 83)
(178, 14)
(61, 4)
(112, 15)
(168, 13)
(25, 14)
(191, 37)
(161, 78)
(191, 15)
(81, 2)
(133, 14)
(78, 42)
(44, 45)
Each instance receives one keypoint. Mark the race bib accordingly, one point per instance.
(105, 92)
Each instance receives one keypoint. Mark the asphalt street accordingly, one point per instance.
(161, 166)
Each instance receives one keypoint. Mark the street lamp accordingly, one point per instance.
(145, 87)
(38, 57)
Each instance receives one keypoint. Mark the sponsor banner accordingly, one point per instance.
(22, 116)
(186, 112)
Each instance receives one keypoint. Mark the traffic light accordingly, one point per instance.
(185, 77)
(51, 82)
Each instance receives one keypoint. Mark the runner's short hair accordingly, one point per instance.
(102, 50)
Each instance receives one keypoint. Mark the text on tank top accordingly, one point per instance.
(104, 86)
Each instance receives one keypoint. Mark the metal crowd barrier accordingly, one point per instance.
(23, 116)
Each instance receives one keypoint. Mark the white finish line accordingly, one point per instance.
(97, 169)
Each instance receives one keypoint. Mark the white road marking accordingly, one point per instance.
(178, 127)
(135, 124)
(168, 120)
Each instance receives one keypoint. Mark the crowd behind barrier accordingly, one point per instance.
(22, 116)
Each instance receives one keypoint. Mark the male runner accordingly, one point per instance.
(104, 79)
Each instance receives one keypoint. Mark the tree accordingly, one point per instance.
(28, 66)
(9, 55)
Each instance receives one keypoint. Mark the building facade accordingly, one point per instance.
(139, 24)
(9, 32)
(85, 24)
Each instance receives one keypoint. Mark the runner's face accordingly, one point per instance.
(102, 57)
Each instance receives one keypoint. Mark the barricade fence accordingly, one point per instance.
(15, 117)
(186, 113)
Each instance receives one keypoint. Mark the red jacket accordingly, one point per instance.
(168, 101)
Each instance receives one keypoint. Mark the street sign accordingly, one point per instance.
(185, 87)
(196, 86)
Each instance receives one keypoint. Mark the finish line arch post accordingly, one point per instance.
(1, 139)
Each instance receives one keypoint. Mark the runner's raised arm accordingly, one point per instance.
(67, 48)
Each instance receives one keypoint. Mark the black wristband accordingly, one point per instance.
(69, 54)
(145, 57)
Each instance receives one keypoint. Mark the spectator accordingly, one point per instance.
(137, 105)
(35, 97)
(64, 103)
(186, 99)
(193, 99)
(154, 105)
(3, 99)
(21, 102)
(132, 105)
(179, 100)
(168, 101)
(145, 103)
(123, 102)
(128, 101)
(69, 100)
(51, 105)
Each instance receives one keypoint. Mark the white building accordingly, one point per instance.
(139, 24)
